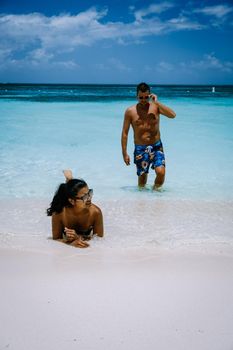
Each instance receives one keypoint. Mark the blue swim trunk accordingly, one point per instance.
(146, 155)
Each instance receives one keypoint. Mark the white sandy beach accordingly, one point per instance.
(116, 296)
(162, 276)
(67, 298)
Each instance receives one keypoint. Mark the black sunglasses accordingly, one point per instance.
(86, 196)
(143, 97)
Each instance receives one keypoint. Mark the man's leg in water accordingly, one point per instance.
(160, 177)
(142, 180)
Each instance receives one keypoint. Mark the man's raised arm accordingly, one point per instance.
(168, 112)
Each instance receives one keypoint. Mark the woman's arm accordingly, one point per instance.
(57, 226)
(98, 228)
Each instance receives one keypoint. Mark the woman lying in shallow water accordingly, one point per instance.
(75, 219)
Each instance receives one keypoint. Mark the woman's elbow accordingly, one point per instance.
(56, 236)
(100, 234)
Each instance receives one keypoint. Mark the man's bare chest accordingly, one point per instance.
(145, 121)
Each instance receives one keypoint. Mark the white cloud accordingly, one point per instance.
(152, 9)
(218, 11)
(37, 38)
(40, 55)
(209, 61)
(5, 53)
(71, 65)
(184, 23)
(64, 33)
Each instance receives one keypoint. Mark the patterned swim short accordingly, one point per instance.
(146, 155)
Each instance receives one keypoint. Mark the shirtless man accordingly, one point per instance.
(144, 118)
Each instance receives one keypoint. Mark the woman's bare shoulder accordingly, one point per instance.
(95, 209)
(57, 216)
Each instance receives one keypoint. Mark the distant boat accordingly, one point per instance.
(213, 89)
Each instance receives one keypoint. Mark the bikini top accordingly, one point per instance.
(84, 233)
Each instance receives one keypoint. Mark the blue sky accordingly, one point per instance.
(74, 41)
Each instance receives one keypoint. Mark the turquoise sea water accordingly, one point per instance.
(41, 134)
(46, 128)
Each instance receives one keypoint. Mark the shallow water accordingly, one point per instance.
(151, 223)
(39, 139)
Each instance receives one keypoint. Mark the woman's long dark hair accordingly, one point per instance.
(63, 193)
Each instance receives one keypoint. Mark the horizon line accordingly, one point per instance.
(126, 84)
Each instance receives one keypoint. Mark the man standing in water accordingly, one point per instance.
(144, 118)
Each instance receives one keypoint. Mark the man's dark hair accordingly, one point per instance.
(143, 87)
